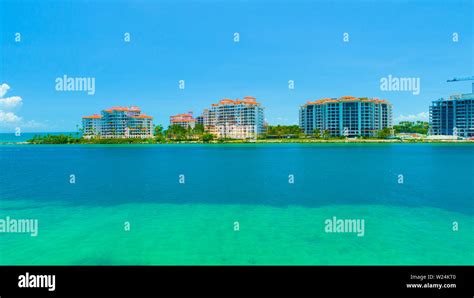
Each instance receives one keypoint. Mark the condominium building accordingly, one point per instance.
(118, 122)
(200, 119)
(346, 116)
(236, 119)
(453, 116)
(184, 120)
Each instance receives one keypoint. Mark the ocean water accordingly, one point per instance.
(280, 223)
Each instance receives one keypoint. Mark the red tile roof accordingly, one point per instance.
(346, 99)
(95, 116)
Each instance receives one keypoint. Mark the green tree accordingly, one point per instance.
(54, 139)
(283, 130)
(420, 127)
(326, 134)
(207, 137)
(159, 130)
(198, 129)
(176, 132)
(384, 133)
(317, 133)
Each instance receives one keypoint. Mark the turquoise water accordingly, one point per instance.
(280, 223)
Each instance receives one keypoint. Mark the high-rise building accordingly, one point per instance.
(118, 122)
(453, 116)
(346, 116)
(235, 119)
(200, 120)
(183, 120)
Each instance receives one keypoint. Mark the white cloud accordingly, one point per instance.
(10, 102)
(3, 89)
(422, 116)
(9, 117)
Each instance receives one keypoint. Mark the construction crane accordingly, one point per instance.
(463, 79)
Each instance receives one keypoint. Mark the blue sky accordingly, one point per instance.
(193, 41)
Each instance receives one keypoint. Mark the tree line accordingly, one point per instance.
(177, 133)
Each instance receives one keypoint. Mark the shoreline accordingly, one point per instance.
(273, 141)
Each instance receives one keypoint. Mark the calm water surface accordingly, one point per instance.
(281, 223)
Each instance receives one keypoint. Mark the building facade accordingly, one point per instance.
(453, 116)
(118, 122)
(235, 119)
(346, 116)
(200, 120)
(184, 120)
